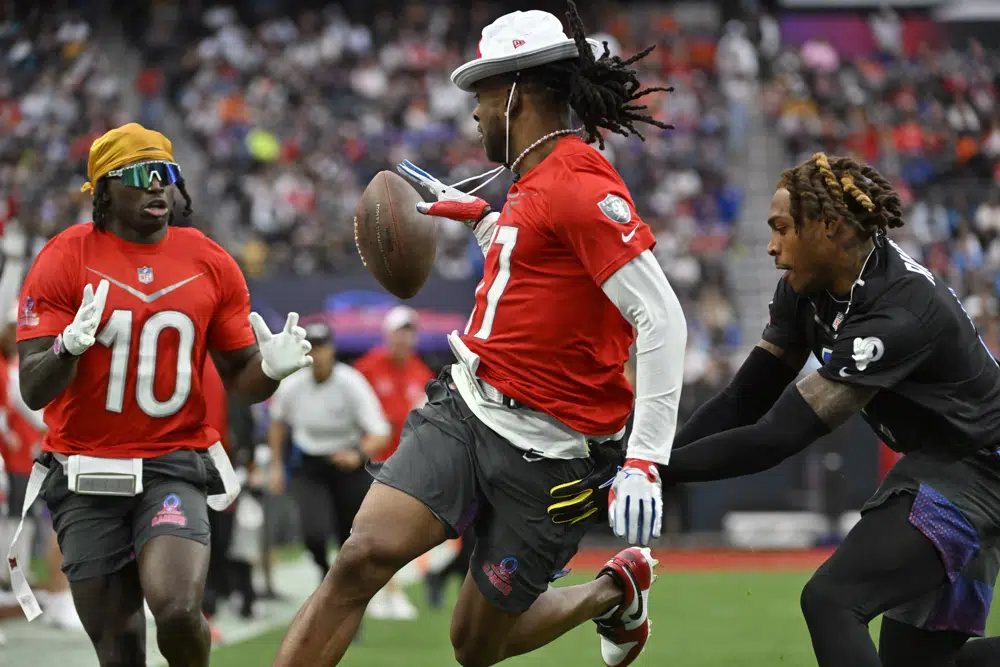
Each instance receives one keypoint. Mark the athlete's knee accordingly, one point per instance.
(179, 617)
(365, 563)
(473, 654)
(823, 594)
(816, 597)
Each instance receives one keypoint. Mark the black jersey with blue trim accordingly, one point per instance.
(906, 332)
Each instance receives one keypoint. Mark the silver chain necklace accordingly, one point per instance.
(542, 140)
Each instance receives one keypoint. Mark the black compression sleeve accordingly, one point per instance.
(788, 428)
(752, 392)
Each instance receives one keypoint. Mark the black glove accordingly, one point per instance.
(588, 497)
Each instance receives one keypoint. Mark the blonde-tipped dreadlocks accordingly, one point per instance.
(828, 188)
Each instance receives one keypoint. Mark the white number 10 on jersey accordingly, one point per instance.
(506, 237)
(117, 334)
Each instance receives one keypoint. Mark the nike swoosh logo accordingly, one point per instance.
(145, 298)
(844, 373)
(628, 237)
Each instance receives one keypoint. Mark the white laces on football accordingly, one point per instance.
(494, 173)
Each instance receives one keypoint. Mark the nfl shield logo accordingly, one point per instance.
(145, 275)
(837, 321)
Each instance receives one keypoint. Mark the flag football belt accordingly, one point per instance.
(140, 174)
(90, 475)
(493, 394)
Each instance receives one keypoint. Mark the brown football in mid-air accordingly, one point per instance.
(396, 243)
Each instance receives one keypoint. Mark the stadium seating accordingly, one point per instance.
(928, 121)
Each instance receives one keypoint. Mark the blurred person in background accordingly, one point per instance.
(398, 375)
(333, 421)
(21, 430)
(737, 64)
(226, 574)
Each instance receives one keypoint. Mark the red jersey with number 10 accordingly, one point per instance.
(138, 391)
(545, 333)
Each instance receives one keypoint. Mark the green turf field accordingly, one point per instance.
(699, 620)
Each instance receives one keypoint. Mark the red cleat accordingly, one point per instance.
(625, 629)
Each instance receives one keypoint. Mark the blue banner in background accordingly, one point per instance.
(354, 306)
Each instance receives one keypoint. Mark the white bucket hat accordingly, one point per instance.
(517, 41)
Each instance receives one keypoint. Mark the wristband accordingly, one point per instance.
(59, 349)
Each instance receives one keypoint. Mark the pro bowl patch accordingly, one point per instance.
(616, 209)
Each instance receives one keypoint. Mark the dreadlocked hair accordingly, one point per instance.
(831, 188)
(102, 203)
(602, 91)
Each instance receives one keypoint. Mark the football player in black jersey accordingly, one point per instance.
(896, 345)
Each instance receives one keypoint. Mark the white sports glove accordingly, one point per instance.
(635, 502)
(448, 202)
(285, 352)
(79, 335)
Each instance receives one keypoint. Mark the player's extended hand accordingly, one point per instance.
(635, 504)
(80, 334)
(282, 353)
(448, 202)
(583, 498)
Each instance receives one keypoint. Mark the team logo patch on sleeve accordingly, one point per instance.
(616, 209)
(866, 351)
(28, 317)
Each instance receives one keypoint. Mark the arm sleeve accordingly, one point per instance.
(598, 221)
(230, 326)
(782, 325)
(49, 297)
(369, 410)
(484, 231)
(879, 349)
(644, 297)
(751, 393)
(788, 428)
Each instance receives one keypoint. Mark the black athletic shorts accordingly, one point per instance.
(957, 506)
(467, 475)
(99, 535)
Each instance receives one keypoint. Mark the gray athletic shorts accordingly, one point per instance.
(99, 535)
(956, 505)
(467, 475)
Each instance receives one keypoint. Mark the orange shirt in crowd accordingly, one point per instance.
(400, 388)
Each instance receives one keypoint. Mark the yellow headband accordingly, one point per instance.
(123, 146)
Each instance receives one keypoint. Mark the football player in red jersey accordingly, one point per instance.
(504, 442)
(131, 457)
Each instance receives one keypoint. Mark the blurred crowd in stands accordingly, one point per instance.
(59, 90)
(287, 119)
(929, 122)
